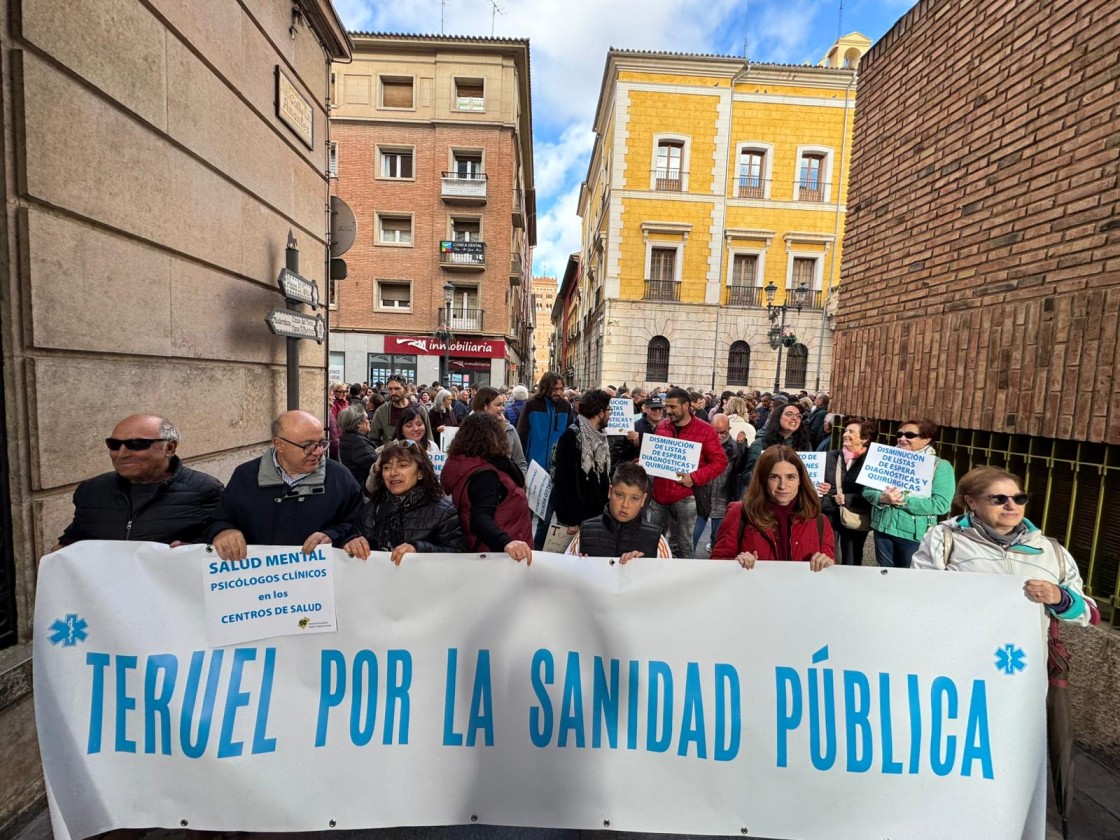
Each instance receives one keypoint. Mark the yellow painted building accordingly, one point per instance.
(712, 178)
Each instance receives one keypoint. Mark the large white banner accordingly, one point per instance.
(684, 696)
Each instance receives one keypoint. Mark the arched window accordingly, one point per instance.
(797, 366)
(738, 363)
(657, 359)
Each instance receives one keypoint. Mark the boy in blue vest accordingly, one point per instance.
(621, 530)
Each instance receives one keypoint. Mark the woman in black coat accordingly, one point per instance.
(356, 451)
(846, 463)
(407, 513)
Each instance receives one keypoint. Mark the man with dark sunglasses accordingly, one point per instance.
(149, 496)
(292, 495)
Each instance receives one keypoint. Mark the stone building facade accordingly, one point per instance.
(544, 296)
(982, 269)
(710, 179)
(156, 156)
(435, 157)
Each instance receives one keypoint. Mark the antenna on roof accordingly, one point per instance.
(746, 21)
(442, 7)
(495, 10)
(840, 22)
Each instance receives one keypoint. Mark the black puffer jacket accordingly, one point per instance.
(357, 453)
(178, 511)
(605, 536)
(432, 527)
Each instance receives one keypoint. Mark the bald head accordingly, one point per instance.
(299, 441)
(151, 463)
(721, 424)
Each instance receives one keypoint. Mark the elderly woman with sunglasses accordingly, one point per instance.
(994, 536)
(900, 520)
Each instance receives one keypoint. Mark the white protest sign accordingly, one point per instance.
(814, 463)
(438, 460)
(890, 466)
(557, 539)
(666, 456)
(622, 416)
(489, 680)
(538, 487)
(272, 592)
(446, 436)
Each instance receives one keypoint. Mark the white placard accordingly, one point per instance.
(890, 466)
(664, 456)
(622, 416)
(814, 463)
(274, 591)
(491, 680)
(438, 460)
(538, 487)
(557, 539)
(446, 436)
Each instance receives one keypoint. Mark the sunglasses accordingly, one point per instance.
(1000, 499)
(308, 448)
(131, 444)
(909, 435)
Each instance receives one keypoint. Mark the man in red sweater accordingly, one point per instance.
(673, 508)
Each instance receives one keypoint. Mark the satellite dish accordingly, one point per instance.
(344, 227)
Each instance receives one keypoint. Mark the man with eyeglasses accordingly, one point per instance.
(149, 496)
(292, 495)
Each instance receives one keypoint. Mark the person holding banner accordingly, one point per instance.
(582, 463)
(900, 519)
(407, 512)
(620, 531)
(779, 518)
(842, 495)
(488, 399)
(488, 489)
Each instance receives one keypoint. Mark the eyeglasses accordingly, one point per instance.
(131, 444)
(1000, 499)
(308, 448)
(909, 435)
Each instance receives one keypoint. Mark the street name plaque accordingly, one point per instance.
(298, 289)
(288, 324)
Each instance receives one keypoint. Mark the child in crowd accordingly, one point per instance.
(621, 531)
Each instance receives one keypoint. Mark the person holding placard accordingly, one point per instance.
(407, 512)
(490, 401)
(779, 518)
(842, 500)
(488, 489)
(785, 427)
(900, 519)
(739, 419)
(441, 415)
(582, 463)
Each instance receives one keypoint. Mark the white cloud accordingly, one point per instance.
(558, 235)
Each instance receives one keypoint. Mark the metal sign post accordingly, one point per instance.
(292, 324)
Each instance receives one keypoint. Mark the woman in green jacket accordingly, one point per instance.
(899, 519)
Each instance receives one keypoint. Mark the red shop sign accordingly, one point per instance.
(478, 348)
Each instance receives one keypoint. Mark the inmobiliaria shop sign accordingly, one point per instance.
(478, 348)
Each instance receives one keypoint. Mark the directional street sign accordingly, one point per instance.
(298, 289)
(288, 324)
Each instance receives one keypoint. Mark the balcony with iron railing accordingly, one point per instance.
(752, 187)
(462, 256)
(744, 296)
(466, 320)
(668, 180)
(811, 191)
(464, 187)
(668, 290)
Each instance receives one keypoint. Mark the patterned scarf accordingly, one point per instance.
(594, 454)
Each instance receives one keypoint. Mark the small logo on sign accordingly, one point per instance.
(1010, 659)
(68, 631)
(303, 622)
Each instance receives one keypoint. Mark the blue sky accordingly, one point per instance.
(568, 42)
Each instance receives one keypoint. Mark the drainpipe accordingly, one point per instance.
(836, 229)
(738, 77)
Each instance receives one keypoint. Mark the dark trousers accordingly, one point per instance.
(894, 552)
(851, 546)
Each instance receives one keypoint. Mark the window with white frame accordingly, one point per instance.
(396, 162)
(744, 270)
(394, 294)
(670, 163)
(397, 92)
(394, 230)
(466, 229)
(754, 170)
(805, 269)
(470, 95)
(332, 159)
(814, 174)
(662, 264)
(467, 165)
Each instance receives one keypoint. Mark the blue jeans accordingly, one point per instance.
(698, 532)
(894, 552)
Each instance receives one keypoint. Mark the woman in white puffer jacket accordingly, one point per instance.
(994, 536)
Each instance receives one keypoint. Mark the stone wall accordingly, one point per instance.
(982, 252)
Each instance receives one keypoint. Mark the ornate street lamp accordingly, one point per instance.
(448, 296)
(776, 335)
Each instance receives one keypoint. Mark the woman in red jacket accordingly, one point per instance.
(779, 518)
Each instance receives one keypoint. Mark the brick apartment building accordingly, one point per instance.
(544, 296)
(982, 263)
(434, 155)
